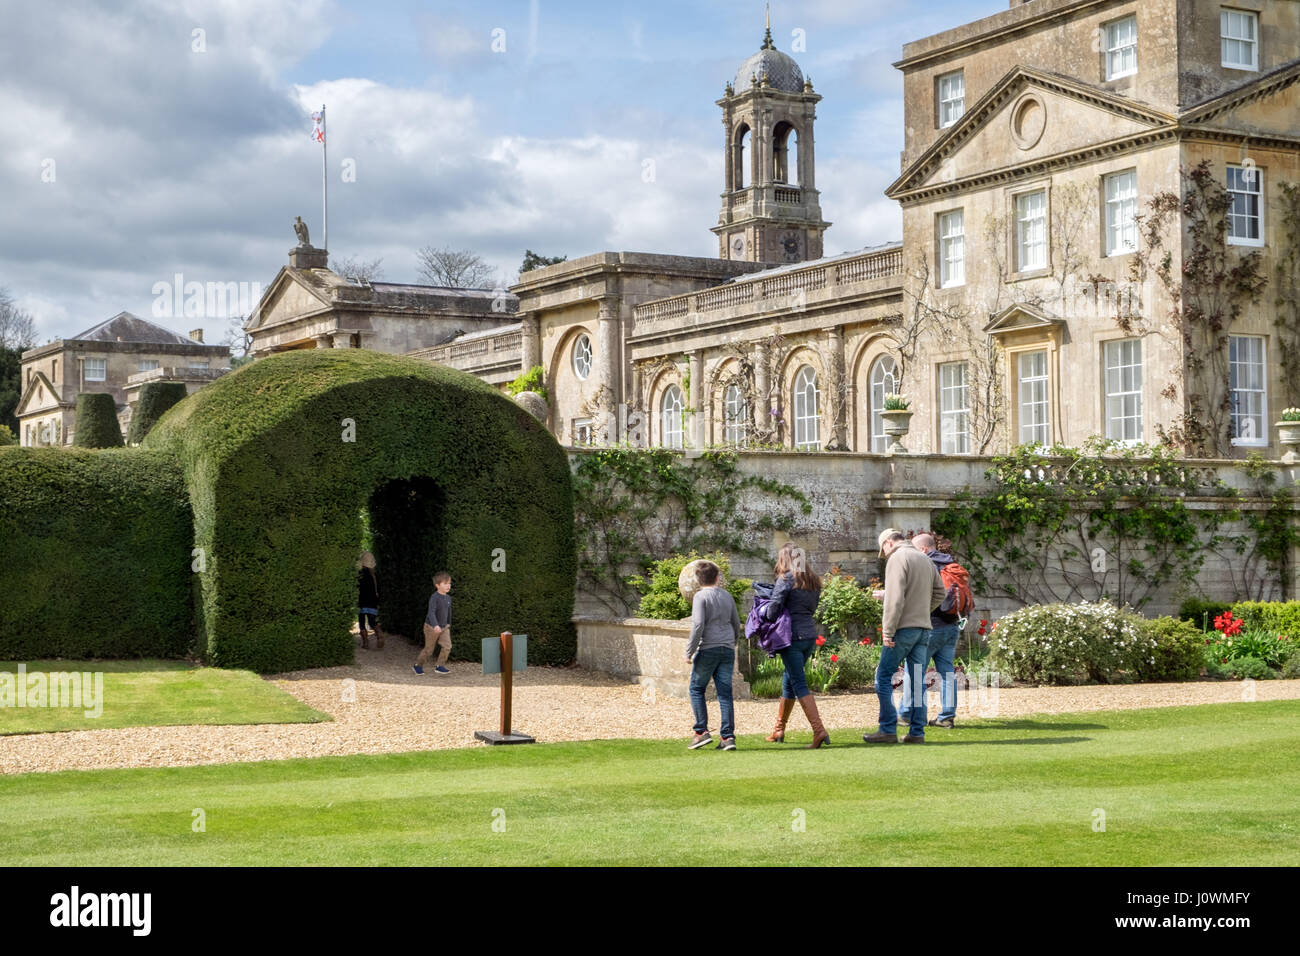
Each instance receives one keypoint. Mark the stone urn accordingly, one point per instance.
(897, 422)
(1288, 436)
(687, 583)
(534, 404)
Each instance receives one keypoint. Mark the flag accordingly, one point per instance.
(318, 129)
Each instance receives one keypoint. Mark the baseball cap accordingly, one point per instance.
(885, 536)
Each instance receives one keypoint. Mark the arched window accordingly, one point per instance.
(884, 381)
(736, 416)
(807, 409)
(740, 174)
(582, 357)
(785, 154)
(671, 417)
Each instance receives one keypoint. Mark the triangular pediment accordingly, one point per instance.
(39, 396)
(1028, 117)
(1022, 317)
(1264, 108)
(289, 296)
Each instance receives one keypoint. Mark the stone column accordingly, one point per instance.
(698, 436)
(342, 340)
(609, 380)
(762, 402)
(835, 389)
(531, 328)
(807, 161)
(324, 342)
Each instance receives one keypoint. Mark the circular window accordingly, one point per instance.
(1028, 120)
(582, 356)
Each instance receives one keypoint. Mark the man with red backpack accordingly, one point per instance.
(944, 628)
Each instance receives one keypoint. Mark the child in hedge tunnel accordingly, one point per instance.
(368, 600)
(437, 627)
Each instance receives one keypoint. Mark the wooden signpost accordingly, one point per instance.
(504, 656)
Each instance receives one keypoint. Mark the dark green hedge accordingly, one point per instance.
(155, 399)
(96, 423)
(278, 495)
(94, 555)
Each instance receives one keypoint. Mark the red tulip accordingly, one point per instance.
(867, 642)
(835, 658)
(820, 640)
(984, 623)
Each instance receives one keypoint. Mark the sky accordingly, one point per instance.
(149, 144)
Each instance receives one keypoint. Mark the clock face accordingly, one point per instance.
(738, 245)
(790, 243)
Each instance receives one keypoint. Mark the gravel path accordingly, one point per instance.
(386, 708)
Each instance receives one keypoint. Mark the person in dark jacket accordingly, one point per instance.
(368, 599)
(797, 590)
(944, 634)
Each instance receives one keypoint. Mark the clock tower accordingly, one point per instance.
(770, 207)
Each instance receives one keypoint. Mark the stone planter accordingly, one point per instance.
(1288, 436)
(896, 424)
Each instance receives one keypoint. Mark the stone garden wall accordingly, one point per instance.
(652, 653)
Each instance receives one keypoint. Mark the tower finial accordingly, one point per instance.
(767, 36)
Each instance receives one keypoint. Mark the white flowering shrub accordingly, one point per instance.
(1071, 643)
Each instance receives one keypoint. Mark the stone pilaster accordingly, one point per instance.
(837, 404)
(531, 335)
(762, 401)
(608, 366)
(699, 438)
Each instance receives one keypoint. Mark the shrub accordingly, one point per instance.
(7, 436)
(94, 555)
(534, 380)
(766, 679)
(1291, 669)
(1280, 617)
(1202, 612)
(661, 600)
(1252, 668)
(857, 664)
(280, 457)
(1070, 643)
(1179, 652)
(1274, 649)
(846, 611)
(155, 399)
(96, 422)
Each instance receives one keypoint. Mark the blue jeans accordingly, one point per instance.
(943, 648)
(911, 644)
(713, 664)
(794, 684)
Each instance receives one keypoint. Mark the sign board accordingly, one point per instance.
(492, 654)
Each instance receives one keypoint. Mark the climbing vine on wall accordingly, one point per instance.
(1286, 320)
(633, 506)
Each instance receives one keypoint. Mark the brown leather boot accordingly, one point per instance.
(365, 641)
(820, 736)
(783, 708)
(379, 639)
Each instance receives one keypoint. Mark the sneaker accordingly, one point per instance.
(700, 740)
(727, 743)
(417, 668)
(441, 671)
(944, 722)
(879, 738)
(909, 739)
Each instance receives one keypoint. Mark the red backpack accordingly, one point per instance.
(955, 576)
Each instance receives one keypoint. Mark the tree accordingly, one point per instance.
(534, 261)
(354, 267)
(454, 268)
(238, 341)
(96, 423)
(17, 333)
(17, 328)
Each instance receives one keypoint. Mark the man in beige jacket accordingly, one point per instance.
(913, 589)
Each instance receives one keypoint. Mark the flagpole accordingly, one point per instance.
(324, 185)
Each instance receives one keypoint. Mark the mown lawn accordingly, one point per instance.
(151, 693)
(1208, 785)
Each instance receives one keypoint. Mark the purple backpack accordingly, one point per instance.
(771, 636)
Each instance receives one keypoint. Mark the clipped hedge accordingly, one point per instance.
(155, 399)
(1278, 617)
(96, 422)
(1179, 652)
(94, 555)
(1202, 612)
(280, 458)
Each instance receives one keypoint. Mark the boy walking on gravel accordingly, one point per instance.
(437, 627)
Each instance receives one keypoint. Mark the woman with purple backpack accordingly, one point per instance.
(797, 591)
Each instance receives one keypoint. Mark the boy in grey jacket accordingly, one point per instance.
(715, 627)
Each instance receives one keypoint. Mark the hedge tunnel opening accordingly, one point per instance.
(408, 537)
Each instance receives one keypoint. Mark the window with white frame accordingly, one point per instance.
(582, 357)
(1121, 213)
(1245, 218)
(735, 416)
(96, 369)
(1123, 359)
(1239, 39)
(1122, 48)
(807, 409)
(148, 365)
(952, 98)
(952, 249)
(584, 431)
(954, 409)
(1035, 410)
(1031, 231)
(884, 381)
(1248, 389)
(670, 416)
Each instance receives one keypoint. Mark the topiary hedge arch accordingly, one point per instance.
(282, 456)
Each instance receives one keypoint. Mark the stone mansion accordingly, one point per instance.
(1011, 310)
